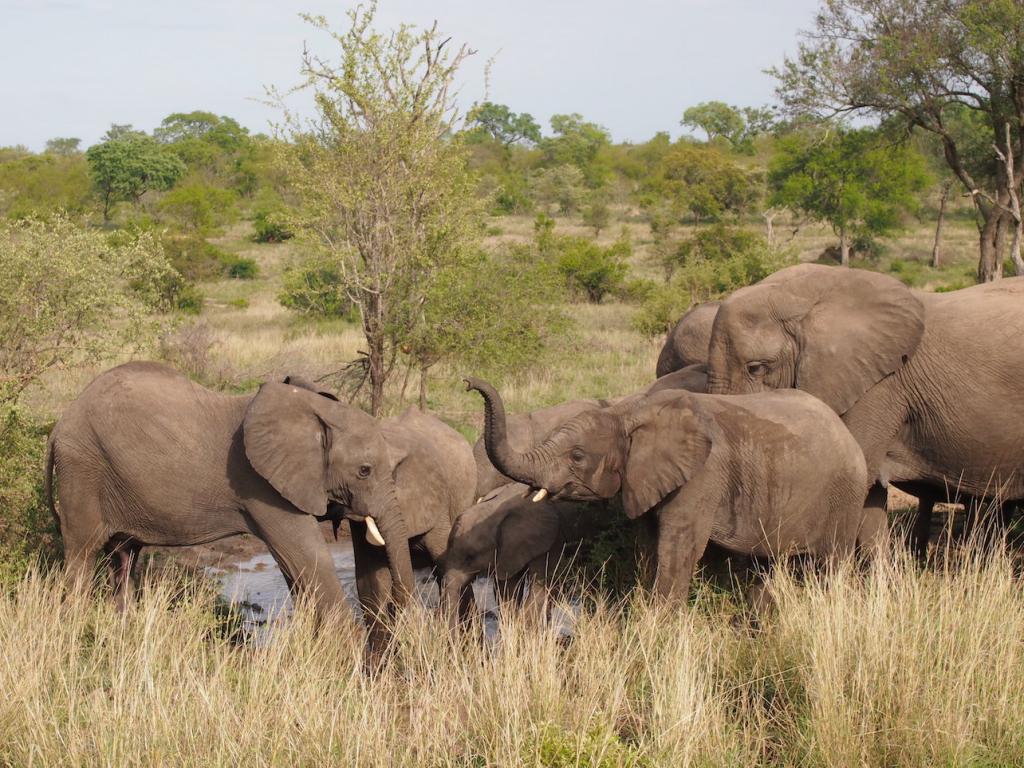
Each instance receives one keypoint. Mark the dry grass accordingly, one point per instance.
(896, 667)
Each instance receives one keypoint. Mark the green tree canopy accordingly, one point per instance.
(385, 191)
(64, 146)
(699, 181)
(502, 125)
(130, 164)
(576, 142)
(735, 125)
(924, 61)
(856, 180)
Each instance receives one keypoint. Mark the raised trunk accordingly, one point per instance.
(521, 467)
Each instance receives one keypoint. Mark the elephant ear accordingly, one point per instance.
(669, 442)
(304, 383)
(287, 443)
(524, 535)
(861, 326)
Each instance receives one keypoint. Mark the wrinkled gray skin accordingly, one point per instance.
(434, 476)
(764, 475)
(687, 342)
(145, 456)
(517, 541)
(928, 383)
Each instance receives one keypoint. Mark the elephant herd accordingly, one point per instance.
(778, 420)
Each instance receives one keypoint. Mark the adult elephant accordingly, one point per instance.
(687, 342)
(145, 456)
(928, 383)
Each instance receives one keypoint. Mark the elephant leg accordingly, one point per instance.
(646, 527)
(456, 587)
(683, 532)
(373, 585)
(536, 607)
(510, 592)
(920, 532)
(82, 530)
(299, 549)
(873, 535)
(122, 555)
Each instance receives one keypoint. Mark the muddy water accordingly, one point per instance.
(257, 588)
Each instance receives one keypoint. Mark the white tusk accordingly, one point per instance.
(373, 533)
(540, 495)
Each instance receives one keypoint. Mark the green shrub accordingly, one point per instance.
(28, 532)
(189, 300)
(592, 270)
(714, 262)
(313, 286)
(557, 747)
(198, 207)
(241, 268)
(271, 227)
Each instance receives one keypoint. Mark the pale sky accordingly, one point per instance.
(73, 67)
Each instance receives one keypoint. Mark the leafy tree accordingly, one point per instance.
(734, 125)
(384, 189)
(501, 124)
(63, 146)
(314, 286)
(597, 215)
(198, 207)
(923, 61)
(857, 182)
(494, 314)
(130, 164)
(592, 270)
(717, 119)
(699, 181)
(563, 186)
(576, 142)
(67, 295)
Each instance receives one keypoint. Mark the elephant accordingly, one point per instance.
(146, 457)
(766, 475)
(434, 476)
(517, 541)
(687, 342)
(929, 384)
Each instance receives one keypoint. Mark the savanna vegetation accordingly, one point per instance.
(397, 240)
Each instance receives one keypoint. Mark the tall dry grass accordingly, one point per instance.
(895, 667)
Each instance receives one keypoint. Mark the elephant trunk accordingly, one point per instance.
(521, 467)
(396, 544)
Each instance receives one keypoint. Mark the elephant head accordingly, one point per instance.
(645, 449)
(687, 342)
(316, 451)
(832, 331)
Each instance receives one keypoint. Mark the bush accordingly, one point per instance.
(590, 269)
(597, 215)
(714, 262)
(28, 532)
(241, 268)
(70, 295)
(198, 207)
(562, 186)
(313, 286)
(196, 260)
(271, 227)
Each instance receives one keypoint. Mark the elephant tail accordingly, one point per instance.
(48, 477)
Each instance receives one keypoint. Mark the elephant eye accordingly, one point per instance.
(756, 369)
(577, 455)
(364, 471)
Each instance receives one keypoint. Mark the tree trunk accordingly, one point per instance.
(423, 387)
(844, 249)
(937, 247)
(993, 242)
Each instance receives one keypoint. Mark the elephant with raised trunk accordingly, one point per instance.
(145, 456)
(765, 475)
(930, 384)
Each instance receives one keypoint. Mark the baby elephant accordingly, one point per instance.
(517, 541)
(768, 475)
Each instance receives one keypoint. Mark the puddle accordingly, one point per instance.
(257, 588)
